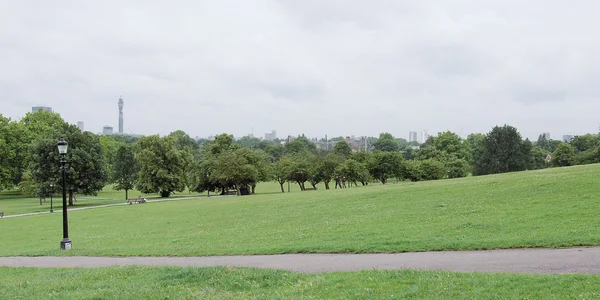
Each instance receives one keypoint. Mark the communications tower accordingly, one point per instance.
(120, 115)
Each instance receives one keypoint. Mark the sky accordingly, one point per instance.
(313, 67)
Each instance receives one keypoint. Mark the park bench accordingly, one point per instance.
(231, 192)
(139, 199)
(1, 214)
(310, 189)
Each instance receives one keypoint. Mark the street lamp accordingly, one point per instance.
(51, 193)
(65, 244)
(208, 175)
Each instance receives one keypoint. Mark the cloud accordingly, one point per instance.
(314, 67)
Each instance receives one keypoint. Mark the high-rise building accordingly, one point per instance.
(120, 115)
(424, 136)
(413, 136)
(42, 108)
(80, 125)
(546, 135)
(271, 136)
(107, 130)
(567, 138)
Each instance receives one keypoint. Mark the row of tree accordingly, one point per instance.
(172, 163)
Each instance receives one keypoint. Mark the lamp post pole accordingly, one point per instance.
(51, 194)
(65, 244)
(207, 176)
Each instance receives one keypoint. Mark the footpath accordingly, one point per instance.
(530, 261)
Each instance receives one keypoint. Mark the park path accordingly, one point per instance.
(108, 205)
(532, 261)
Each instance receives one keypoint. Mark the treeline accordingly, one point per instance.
(170, 164)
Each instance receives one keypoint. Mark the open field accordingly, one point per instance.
(12, 202)
(550, 208)
(246, 283)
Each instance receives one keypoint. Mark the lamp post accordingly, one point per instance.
(208, 175)
(65, 244)
(51, 193)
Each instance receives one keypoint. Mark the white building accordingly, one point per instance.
(413, 136)
(107, 130)
(42, 108)
(80, 125)
(271, 136)
(424, 136)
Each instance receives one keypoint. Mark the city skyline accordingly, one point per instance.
(306, 67)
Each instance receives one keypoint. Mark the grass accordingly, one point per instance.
(12, 202)
(549, 208)
(246, 283)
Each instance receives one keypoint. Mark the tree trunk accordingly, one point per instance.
(126, 194)
(238, 188)
(300, 185)
(282, 190)
(70, 198)
(40, 200)
(253, 188)
(326, 185)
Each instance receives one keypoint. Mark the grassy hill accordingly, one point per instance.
(549, 208)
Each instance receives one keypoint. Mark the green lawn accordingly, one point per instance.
(550, 208)
(244, 283)
(12, 202)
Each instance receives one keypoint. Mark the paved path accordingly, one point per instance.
(114, 204)
(534, 261)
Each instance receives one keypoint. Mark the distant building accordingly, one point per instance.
(413, 136)
(424, 136)
(546, 135)
(211, 137)
(567, 138)
(271, 136)
(42, 108)
(80, 125)
(107, 130)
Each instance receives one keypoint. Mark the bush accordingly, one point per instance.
(457, 168)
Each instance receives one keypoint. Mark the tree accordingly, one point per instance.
(342, 148)
(235, 167)
(386, 143)
(6, 153)
(543, 142)
(109, 149)
(585, 142)
(125, 169)
(451, 144)
(502, 152)
(323, 168)
(563, 156)
(299, 171)
(162, 166)
(353, 171)
(538, 158)
(300, 145)
(283, 169)
(384, 165)
(86, 172)
(474, 143)
(457, 168)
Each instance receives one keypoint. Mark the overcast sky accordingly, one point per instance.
(317, 67)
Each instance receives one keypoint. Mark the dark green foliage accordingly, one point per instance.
(125, 170)
(538, 158)
(429, 169)
(457, 168)
(384, 165)
(586, 142)
(386, 143)
(86, 173)
(342, 148)
(588, 157)
(300, 145)
(563, 156)
(503, 151)
(353, 171)
(162, 166)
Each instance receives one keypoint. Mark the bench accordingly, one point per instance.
(310, 189)
(139, 199)
(231, 192)
(1, 214)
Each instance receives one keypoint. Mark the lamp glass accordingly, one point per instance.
(62, 146)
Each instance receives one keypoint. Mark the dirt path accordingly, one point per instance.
(533, 261)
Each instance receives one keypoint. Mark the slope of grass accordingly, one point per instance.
(13, 202)
(242, 283)
(549, 208)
